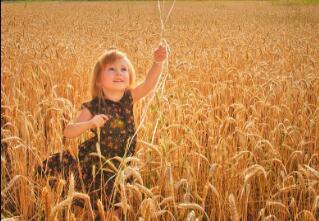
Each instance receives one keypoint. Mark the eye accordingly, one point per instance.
(124, 69)
(111, 69)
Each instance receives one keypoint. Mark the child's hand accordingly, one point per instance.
(99, 120)
(160, 54)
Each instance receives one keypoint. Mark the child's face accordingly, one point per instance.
(115, 76)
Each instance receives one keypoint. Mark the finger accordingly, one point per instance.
(101, 122)
(105, 117)
(102, 118)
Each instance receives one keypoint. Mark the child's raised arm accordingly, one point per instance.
(83, 122)
(152, 77)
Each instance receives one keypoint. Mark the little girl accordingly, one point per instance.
(111, 110)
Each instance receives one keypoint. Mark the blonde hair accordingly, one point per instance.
(108, 57)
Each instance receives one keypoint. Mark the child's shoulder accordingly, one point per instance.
(128, 96)
(90, 104)
(89, 101)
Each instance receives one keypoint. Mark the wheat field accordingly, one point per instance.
(233, 134)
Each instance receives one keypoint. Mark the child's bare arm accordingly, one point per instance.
(83, 122)
(152, 77)
(148, 84)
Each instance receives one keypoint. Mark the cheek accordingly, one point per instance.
(127, 75)
(106, 77)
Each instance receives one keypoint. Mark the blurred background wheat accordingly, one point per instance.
(233, 136)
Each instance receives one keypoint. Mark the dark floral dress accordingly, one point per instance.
(115, 140)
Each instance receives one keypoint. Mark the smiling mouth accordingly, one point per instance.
(118, 81)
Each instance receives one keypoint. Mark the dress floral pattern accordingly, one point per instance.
(115, 140)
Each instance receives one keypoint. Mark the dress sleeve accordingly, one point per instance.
(90, 106)
(128, 97)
